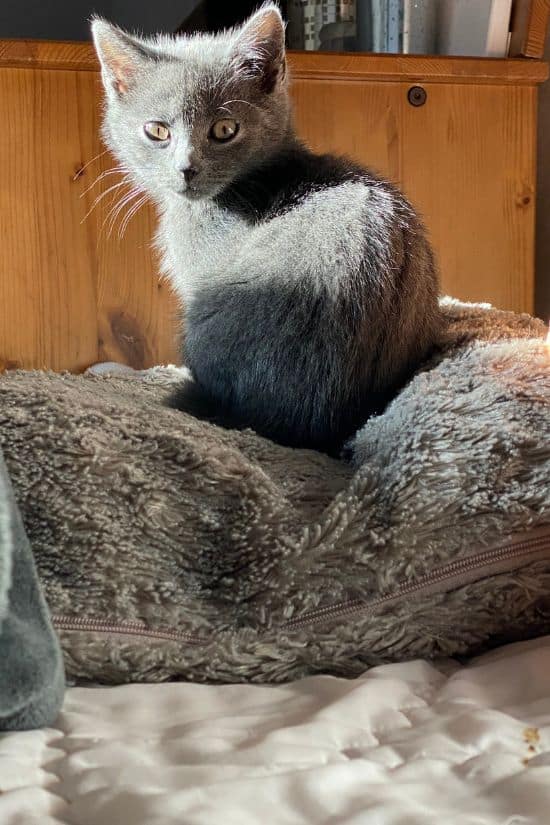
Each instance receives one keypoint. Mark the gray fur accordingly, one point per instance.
(310, 293)
(141, 513)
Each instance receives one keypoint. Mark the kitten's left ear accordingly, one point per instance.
(120, 56)
(260, 47)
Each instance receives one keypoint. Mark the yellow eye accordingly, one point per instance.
(224, 130)
(156, 130)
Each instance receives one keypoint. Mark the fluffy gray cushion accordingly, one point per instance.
(168, 547)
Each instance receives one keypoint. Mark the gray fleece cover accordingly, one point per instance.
(31, 669)
(168, 547)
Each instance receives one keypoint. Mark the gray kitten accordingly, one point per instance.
(308, 285)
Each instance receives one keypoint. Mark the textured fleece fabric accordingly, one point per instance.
(170, 548)
(31, 668)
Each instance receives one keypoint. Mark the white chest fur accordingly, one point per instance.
(322, 238)
(198, 244)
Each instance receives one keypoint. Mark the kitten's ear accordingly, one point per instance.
(260, 47)
(119, 54)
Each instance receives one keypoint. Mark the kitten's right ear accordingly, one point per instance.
(260, 46)
(119, 54)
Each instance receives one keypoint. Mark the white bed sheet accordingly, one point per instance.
(407, 744)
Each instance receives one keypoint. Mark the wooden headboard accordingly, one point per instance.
(72, 294)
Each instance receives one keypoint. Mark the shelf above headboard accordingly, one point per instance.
(46, 54)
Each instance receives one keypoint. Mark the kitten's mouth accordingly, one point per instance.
(191, 193)
(196, 193)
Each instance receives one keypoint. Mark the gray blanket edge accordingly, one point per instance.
(32, 680)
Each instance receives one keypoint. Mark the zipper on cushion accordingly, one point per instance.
(499, 559)
(124, 629)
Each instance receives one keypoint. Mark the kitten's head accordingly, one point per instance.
(187, 115)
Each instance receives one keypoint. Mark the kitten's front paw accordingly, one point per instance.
(347, 452)
(189, 397)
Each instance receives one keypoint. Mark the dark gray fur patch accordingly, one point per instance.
(279, 182)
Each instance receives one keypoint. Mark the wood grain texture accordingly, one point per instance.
(529, 27)
(45, 54)
(69, 294)
(48, 54)
(415, 68)
(466, 159)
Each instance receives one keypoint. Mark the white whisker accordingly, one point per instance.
(130, 214)
(116, 170)
(126, 199)
(238, 100)
(82, 168)
(111, 214)
(101, 196)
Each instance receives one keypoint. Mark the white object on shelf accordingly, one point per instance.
(498, 33)
(394, 26)
(420, 26)
(479, 28)
(379, 27)
(315, 14)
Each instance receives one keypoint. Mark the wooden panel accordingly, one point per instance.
(318, 65)
(469, 166)
(360, 120)
(47, 54)
(529, 26)
(416, 68)
(466, 159)
(68, 296)
(135, 312)
(47, 286)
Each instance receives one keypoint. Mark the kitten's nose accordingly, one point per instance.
(189, 172)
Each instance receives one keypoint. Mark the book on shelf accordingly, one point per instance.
(455, 27)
